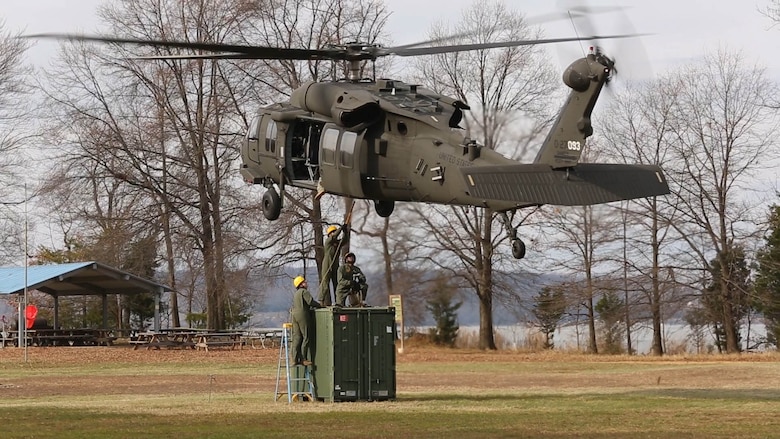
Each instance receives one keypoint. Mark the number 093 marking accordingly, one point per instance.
(574, 145)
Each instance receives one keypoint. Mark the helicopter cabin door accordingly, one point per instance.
(302, 155)
(259, 150)
(342, 158)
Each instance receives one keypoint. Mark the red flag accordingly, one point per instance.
(30, 313)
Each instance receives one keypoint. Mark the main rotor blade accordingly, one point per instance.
(239, 51)
(236, 51)
(477, 46)
(537, 19)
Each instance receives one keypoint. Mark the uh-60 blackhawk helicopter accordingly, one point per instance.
(388, 141)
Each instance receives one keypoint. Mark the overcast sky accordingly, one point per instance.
(682, 29)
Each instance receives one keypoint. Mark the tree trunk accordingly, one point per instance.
(387, 256)
(171, 267)
(484, 268)
(729, 327)
(486, 338)
(592, 345)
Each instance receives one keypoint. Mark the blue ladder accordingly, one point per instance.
(284, 357)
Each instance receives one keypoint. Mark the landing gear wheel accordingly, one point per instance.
(384, 208)
(272, 204)
(518, 248)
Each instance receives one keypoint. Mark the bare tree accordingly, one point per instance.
(772, 10)
(169, 129)
(582, 243)
(14, 131)
(723, 140)
(102, 220)
(506, 88)
(639, 127)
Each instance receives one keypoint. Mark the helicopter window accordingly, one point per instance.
(402, 130)
(270, 136)
(330, 138)
(251, 134)
(348, 140)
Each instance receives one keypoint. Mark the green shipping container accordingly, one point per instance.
(354, 354)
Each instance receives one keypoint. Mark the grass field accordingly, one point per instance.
(116, 392)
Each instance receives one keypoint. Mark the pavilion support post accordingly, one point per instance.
(104, 297)
(21, 328)
(157, 303)
(56, 323)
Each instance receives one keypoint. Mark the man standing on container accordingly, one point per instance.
(352, 283)
(303, 304)
(330, 265)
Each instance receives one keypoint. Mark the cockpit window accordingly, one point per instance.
(270, 136)
(348, 140)
(254, 127)
(330, 138)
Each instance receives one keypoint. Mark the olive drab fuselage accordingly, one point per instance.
(388, 141)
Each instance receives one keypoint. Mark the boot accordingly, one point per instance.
(320, 191)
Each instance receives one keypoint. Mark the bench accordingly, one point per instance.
(271, 336)
(157, 344)
(208, 340)
(212, 344)
(69, 339)
(107, 340)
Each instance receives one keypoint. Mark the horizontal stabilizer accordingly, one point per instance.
(583, 184)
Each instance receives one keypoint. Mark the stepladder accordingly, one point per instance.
(292, 380)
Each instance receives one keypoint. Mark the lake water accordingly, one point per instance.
(677, 338)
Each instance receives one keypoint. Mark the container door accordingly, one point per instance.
(347, 353)
(380, 383)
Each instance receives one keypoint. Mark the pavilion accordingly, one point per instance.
(79, 279)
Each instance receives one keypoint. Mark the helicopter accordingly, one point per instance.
(388, 141)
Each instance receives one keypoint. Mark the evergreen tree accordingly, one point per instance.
(549, 307)
(696, 318)
(445, 313)
(726, 298)
(768, 278)
(140, 260)
(611, 311)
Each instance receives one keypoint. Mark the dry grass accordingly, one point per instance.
(441, 392)
(434, 367)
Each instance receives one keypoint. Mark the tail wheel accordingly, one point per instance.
(518, 248)
(272, 205)
(384, 208)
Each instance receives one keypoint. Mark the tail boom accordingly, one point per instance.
(584, 184)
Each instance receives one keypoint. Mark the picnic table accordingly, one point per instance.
(262, 337)
(208, 340)
(169, 338)
(11, 338)
(64, 337)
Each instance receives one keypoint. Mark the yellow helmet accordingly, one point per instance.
(332, 229)
(297, 281)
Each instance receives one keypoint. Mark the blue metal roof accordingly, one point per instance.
(77, 278)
